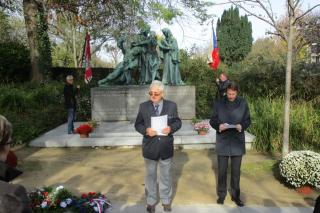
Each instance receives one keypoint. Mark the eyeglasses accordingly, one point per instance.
(154, 94)
(9, 142)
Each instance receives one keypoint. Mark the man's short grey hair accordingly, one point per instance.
(158, 84)
(69, 77)
(5, 131)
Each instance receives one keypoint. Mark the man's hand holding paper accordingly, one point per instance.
(151, 132)
(160, 124)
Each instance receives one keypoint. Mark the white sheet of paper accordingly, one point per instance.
(158, 123)
(230, 126)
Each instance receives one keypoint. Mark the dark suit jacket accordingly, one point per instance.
(222, 88)
(70, 96)
(8, 173)
(230, 142)
(157, 147)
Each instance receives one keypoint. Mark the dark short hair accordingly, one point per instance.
(233, 86)
(224, 73)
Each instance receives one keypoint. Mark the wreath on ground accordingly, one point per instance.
(59, 199)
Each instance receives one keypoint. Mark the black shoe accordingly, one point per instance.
(238, 202)
(220, 201)
(167, 208)
(151, 209)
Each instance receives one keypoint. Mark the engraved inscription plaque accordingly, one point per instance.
(121, 103)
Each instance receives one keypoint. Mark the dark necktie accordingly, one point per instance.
(156, 109)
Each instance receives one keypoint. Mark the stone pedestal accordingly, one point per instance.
(121, 103)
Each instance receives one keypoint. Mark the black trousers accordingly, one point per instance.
(235, 176)
(317, 206)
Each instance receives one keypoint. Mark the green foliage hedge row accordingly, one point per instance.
(267, 124)
(34, 109)
(14, 62)
(266, 78)
(262, 83)
(31, 109)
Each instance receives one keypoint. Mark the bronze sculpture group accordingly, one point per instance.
(141, 54)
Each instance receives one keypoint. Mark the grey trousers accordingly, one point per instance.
(165, 182)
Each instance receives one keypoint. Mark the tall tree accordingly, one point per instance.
(294, 16)
(38, 39)
(12, 5)
(107, 20)
(234, 34)
(5, 27)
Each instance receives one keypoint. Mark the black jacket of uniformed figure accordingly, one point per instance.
(222, 88)
(157, 147)
(230, 142)
(70, 96)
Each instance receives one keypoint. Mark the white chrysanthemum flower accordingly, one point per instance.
(59, 188)
(69, 201)
(96, 209)
(63, 204)
(44, 204)
(301, 168)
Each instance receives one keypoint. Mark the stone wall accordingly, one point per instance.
(121, 103)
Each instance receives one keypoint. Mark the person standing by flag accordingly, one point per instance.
(222, 83)
(70, 102)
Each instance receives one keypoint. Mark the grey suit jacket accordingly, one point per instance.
(157, 147)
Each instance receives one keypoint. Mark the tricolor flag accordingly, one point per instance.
(87, 56)
(215, 53)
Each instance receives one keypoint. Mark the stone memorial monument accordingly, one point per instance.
(117, 99)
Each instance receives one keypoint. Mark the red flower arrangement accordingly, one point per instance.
(61, 200)
(84, 129)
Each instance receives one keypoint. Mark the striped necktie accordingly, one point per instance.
(156, 109)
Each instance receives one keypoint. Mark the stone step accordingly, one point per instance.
(123, 134)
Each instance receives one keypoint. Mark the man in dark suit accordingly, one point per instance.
(230, 119)
(157, 149)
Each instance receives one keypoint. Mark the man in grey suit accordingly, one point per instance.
(156, 149)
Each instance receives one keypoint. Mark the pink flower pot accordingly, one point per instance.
(84, 135)
(201, 132)
(305, 190)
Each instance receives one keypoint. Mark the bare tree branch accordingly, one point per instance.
(276, 34)
(291, 8)
(271, 22)
(305, 13)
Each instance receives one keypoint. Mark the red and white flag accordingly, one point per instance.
(87, 56)
(215, 52)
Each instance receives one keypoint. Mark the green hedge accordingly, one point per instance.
(196, 72)
(32, 109)
(35, 109)
(267, 124)
(14, 62)
(262, 84)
